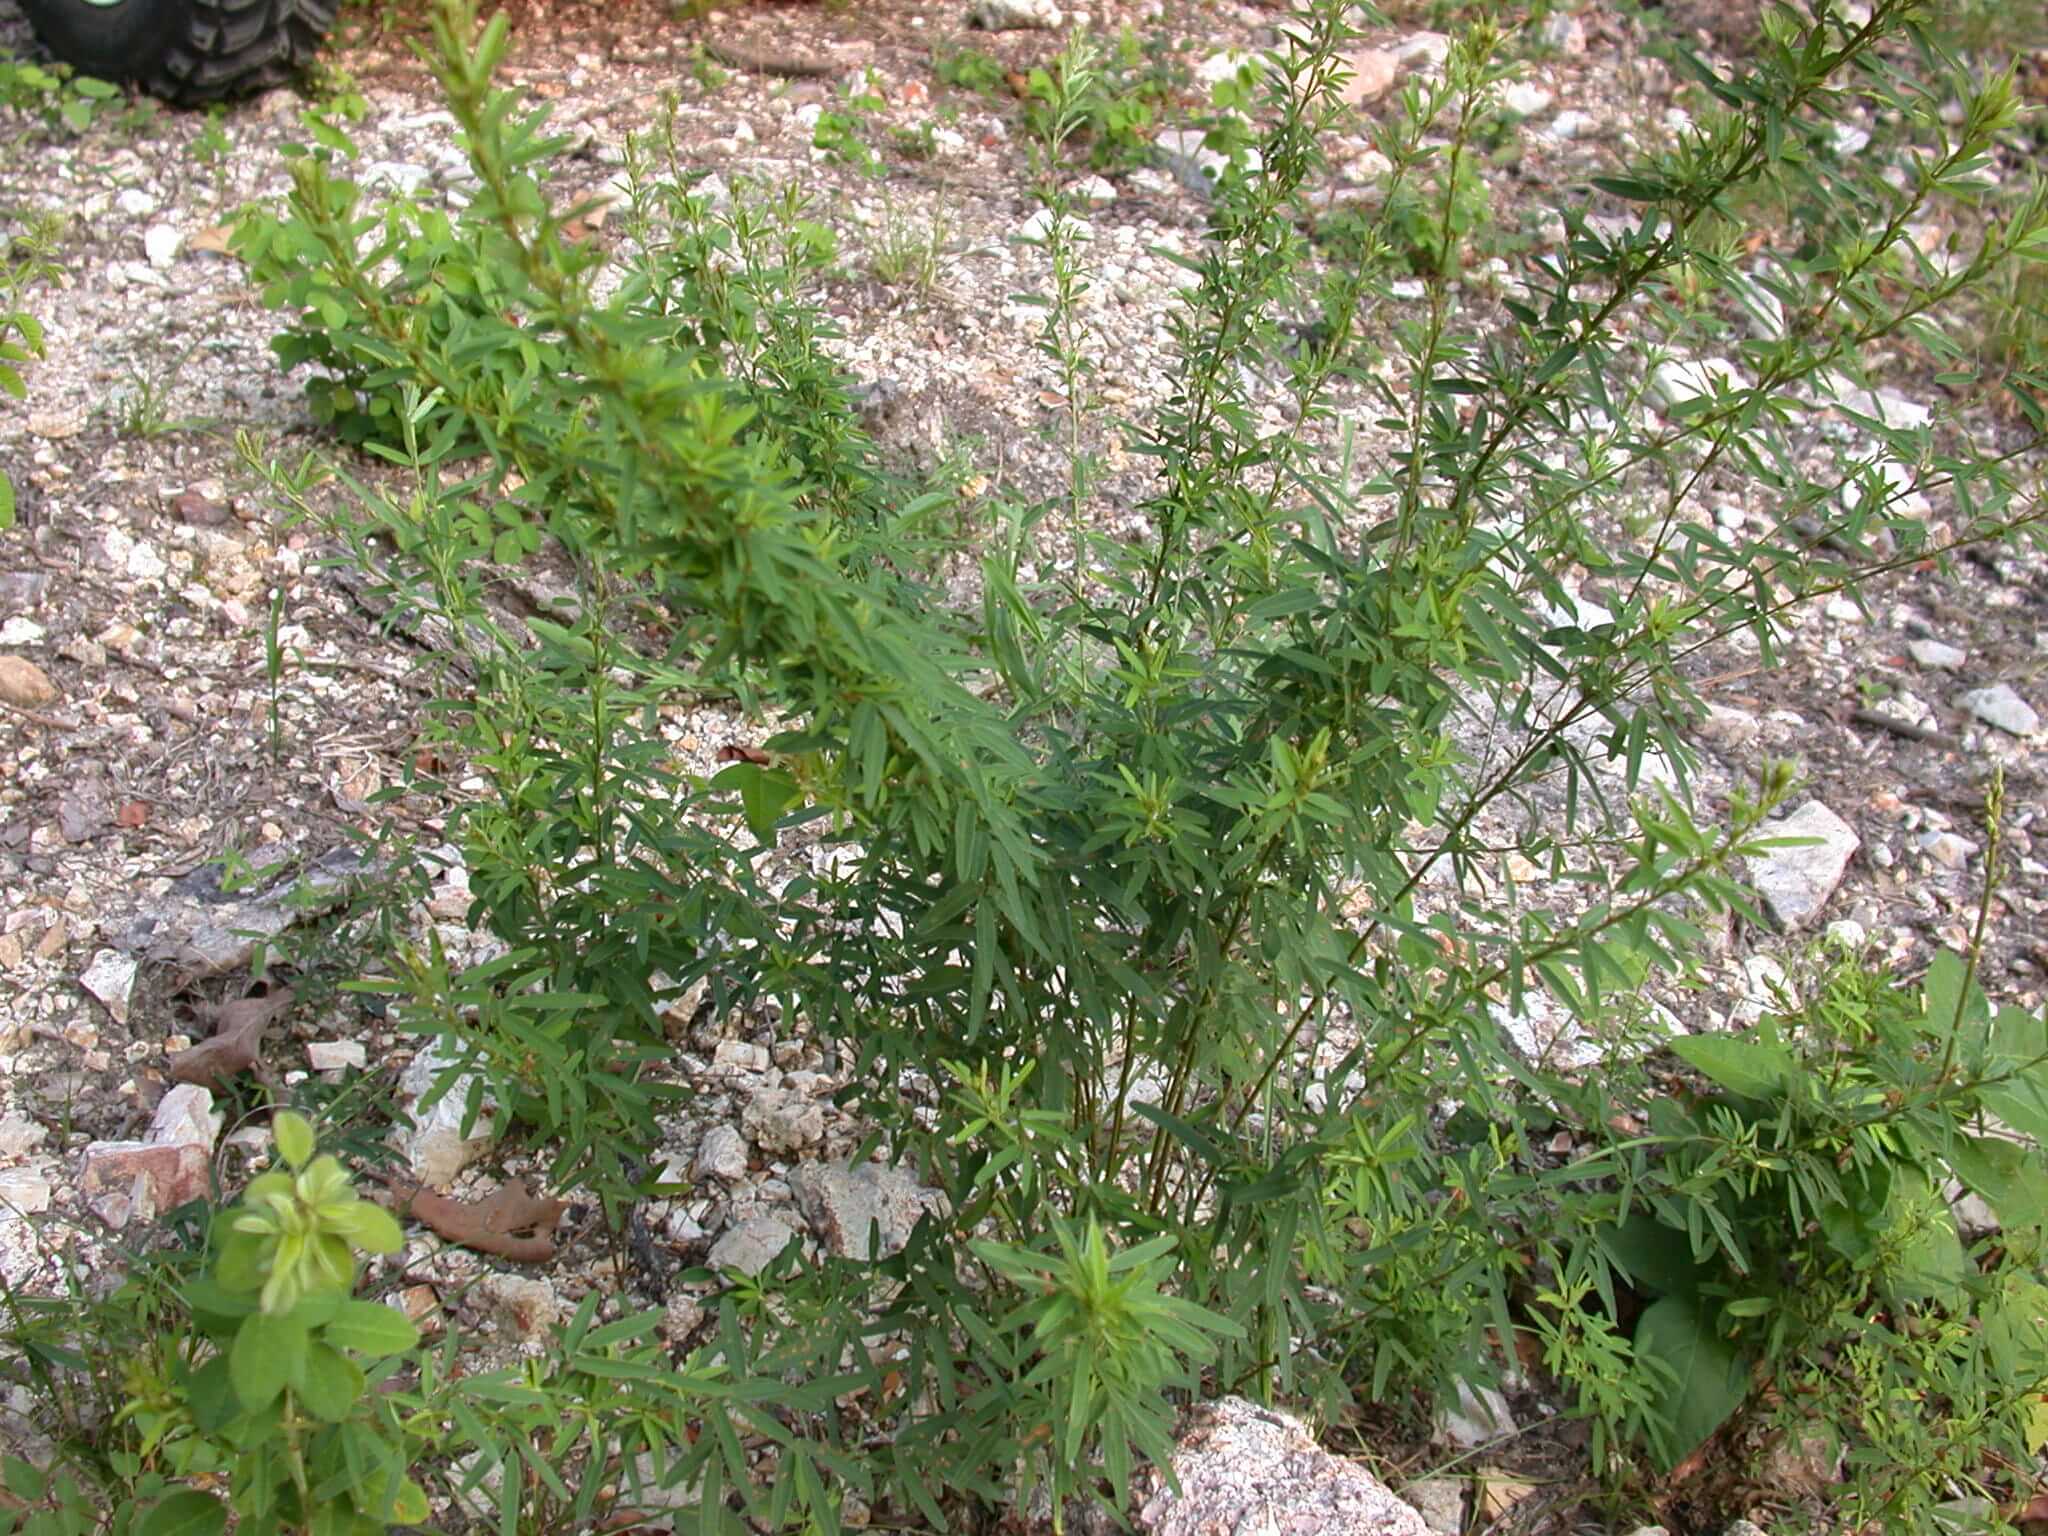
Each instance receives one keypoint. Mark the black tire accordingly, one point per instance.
(188, 52)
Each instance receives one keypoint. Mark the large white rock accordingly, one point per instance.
(1244, 1470)
(111, 978)
(780, 1121)
(1015, 15)
(750, 1246)
(435, 1148)
(1480, 1418)
(185, 1117)
(1795, 883)
(1998, 705)
(844, 1202)
(722, 1154)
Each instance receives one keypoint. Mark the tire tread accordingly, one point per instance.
(231, 49)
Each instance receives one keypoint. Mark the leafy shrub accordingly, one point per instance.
(1126, 906)
(1108, 100)
(842, 130)
(969, 69)
(1794, 1228)
(231, 1373)
(24, 262)
(61, 98)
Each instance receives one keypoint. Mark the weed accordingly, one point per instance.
(709, 74)
(27, 260)
(143, 409)
(969, 69)
(1135, 865)
(842, 131)
(210, 149)
(1109, 109)
(60, 97)
(910, 253)
(920, 141)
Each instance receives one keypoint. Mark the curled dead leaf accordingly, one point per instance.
(237, 1041)
(492, 1225)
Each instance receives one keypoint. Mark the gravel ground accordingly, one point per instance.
(147, 569)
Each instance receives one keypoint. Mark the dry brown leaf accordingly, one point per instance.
(134, 814)
(237, 1042)
(740, 754)
(490, 1225)
(213, 238)
(1499, 1493)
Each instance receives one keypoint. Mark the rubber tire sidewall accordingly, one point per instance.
(128, 41)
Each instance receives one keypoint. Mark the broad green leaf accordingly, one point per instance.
(1755, 1069)
(2021, 1104)
(268, 1354)
(211, 1394)
(1930, 1263)
(411, 1507)
(764, 795)
(24, 1480)
(1944, 1004)
(213, 1301)
(329, 1383)
(1655, 1257)
(187, 1512)
(295, 1140)
(2015, 1323)
(368, 1226)
(1855, 1225)
(370, 1328)
(1710, 1378)
(2007, 1175)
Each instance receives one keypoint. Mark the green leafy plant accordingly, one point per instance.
(1106, 1339)
(211, 148)
(353, 387)
(143, 408)
(26, 261)
(1157, 898)
(843, 130)
(58, 96)
(277, 1397)
(1796, 1217)
(969, 69)
(1101, 97)
(910, 253)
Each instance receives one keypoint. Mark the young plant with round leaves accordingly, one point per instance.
(295, 1233)
(278, 1395)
